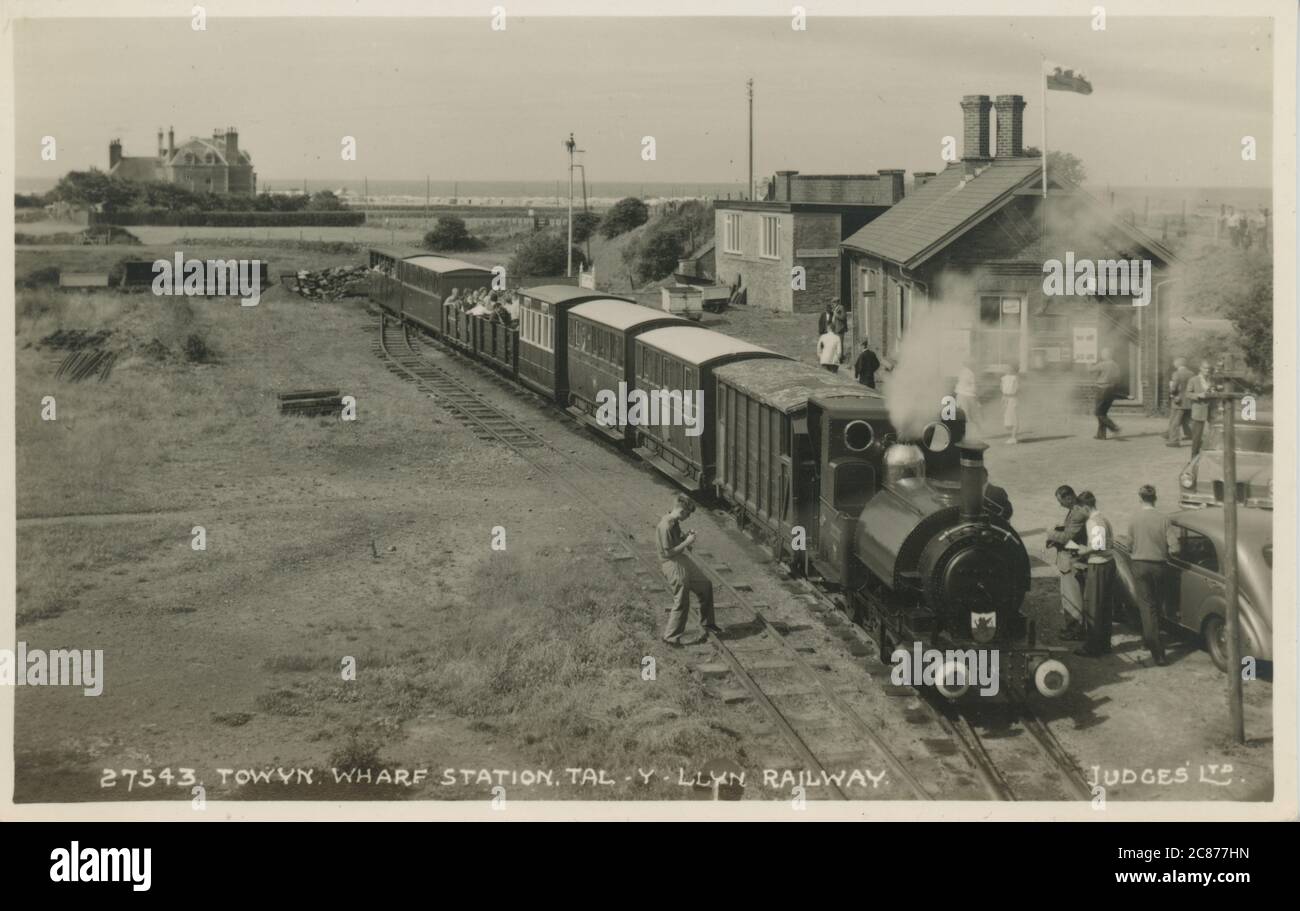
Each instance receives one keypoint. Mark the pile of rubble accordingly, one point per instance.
(332, 284)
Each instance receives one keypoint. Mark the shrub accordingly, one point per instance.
(656, 254)
(449, 233)
(584, 225)
(625, 215)
(325, 201)
(541, 254)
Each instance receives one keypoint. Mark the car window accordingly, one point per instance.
(1249, 437)
(1198, 550)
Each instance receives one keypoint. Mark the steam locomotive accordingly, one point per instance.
(808, 459)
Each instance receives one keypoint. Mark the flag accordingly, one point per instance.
(1063, 80)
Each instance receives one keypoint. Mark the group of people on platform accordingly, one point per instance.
(493, 305)
(832, 326)
(1084, 545)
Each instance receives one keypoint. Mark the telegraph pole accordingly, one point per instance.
(568, 249)
(1236, 718)
(749, 89)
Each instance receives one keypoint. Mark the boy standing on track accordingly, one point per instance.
(683, 578)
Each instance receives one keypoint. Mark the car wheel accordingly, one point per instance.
(1215, 631)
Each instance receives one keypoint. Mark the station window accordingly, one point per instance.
(731, 232)
(771, 233)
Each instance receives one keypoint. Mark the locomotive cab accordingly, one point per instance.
(848, 435)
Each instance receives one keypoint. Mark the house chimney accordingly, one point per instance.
(895, 184)
(160, 145)
(171, 142)
(114, 153)
(785, 185)
(232, 146)
(975, 135)
(1011, 125)
(921, 178)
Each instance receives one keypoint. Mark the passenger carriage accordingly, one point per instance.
(543, 336)
(428, 280)
(414, 285)
(385, 289)
(681, 360)
(601, 338)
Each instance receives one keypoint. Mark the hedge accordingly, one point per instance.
(165, 217)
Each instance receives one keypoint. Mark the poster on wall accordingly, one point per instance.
(1085, 344)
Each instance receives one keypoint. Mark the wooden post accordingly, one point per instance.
(1235, 714)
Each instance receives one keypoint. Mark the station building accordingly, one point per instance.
(801, 222)
(974, 238)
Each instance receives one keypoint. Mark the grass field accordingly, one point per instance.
(325, 540)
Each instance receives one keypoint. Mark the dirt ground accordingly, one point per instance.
(372, 540)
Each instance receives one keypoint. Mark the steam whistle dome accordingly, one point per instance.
(904, 460)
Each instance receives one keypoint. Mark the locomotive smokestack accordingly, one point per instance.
(972, 479)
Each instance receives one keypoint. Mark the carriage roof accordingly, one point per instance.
(618, 313)
(699, 346)
(787, 385)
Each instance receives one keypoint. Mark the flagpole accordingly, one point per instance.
(1042, 81)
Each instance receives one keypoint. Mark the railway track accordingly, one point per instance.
(486, 420)
(779, 663)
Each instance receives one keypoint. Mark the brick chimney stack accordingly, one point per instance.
(160, 144)
(894, 176)
(784, 186)
(975, 135)
(171, 142)
(114, 153)
(921, 178)
(1011, 125)
(232, 146)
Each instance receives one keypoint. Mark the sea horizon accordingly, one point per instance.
(1157, 198)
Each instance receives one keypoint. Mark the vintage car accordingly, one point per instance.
(1201, 482)
(1194, 589)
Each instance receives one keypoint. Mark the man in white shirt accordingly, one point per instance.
(828, 351)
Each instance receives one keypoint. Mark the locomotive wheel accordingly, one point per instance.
(954, 671)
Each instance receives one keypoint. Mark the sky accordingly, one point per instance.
(455, 100)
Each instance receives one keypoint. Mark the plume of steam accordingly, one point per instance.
(930, 356)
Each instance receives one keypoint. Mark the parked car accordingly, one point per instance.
(1201, 482)
(1194, 589)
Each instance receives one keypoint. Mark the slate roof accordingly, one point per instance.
(787, 385)
(957, 199)
(946, 206)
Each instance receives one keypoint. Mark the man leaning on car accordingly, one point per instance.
(1149, 541)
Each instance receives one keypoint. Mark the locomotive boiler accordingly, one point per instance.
(940, 571)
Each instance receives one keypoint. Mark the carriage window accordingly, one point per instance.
(1198, 550)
